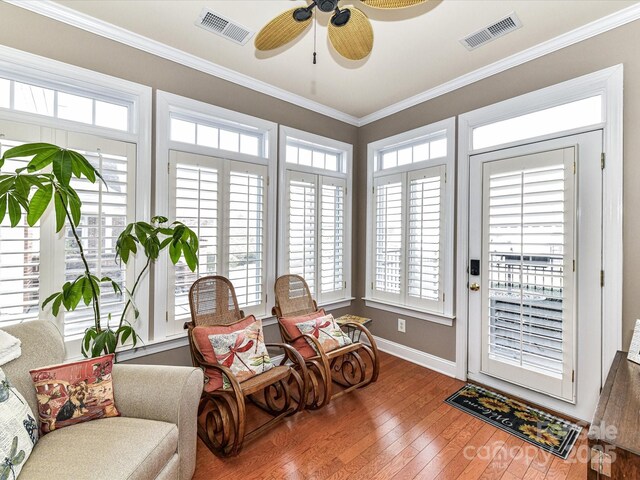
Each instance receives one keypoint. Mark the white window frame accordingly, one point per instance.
(167, 104)
(447, 316)
(346, 152)
(26, 67)
(609, 84)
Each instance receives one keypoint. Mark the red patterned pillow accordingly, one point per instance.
(290, 324)
(201, 340)
(74, 392)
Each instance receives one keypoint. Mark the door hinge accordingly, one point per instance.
(600, 461)
(445, 177)
(168, 167)
(373, 190)
(574, 167)
(443, 296)
(166, 317)
(371, 285)
(267, 180)
(602, 160)
(602, 278)
(573, 376)
(345, 285)
(574, 265)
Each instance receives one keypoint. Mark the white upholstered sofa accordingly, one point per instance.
(155, 438)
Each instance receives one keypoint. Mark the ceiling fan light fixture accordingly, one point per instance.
(341, 17)
(326, 5)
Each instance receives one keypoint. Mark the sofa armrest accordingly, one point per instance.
(166, 394)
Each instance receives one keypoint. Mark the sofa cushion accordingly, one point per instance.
(107, 449)
(290, 324)
(74, 392)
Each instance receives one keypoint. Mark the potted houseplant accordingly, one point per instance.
(47, 178)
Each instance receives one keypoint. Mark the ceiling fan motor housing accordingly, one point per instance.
(327, 5)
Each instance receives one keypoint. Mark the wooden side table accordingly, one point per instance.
(354, 334)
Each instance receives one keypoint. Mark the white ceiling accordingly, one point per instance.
(415, 49)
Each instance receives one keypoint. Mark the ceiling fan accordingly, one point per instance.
(350, 30)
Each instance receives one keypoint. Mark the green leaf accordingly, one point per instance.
(14, 211)
(159, 219)
(39, 203)
(89, 335)
(29, 149)
(22, 186)
(60, 207)
(3, 207)
(174, 252)
(41, 160)
(49, 299)
(189, 257)
(74, 207)
(62, 168)
(98, 344)
(55, 308)
(7, 182)
(87, 294)
(111, 341)
(83, 166)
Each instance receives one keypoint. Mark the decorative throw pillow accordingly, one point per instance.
(202, 339)
(74, 392)
(19, 432)
(242, 351)
(327, 331)
(290, 324)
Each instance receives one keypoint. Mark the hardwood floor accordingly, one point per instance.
(396, 428)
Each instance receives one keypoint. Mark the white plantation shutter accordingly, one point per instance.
(301, 220)
(224, 203)
(19, 260)
(388, 225)
(195, 203)
(106, 210)
(246, 232)
(425, 238)
(530, 216)
(332, 237)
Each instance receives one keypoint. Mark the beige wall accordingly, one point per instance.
(33, 33)
(614, 47)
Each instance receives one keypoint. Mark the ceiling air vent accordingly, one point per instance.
(216, 23)
(493, 31)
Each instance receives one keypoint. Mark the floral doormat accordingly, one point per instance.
(541, 429)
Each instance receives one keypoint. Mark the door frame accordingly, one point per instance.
(609, 84)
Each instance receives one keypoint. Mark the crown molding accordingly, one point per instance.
(104, 29)
(93, 25)
(602, 25)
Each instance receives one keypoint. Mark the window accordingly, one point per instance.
(316, 213)
(568, 116)
(90, 113)
(410, 220)
(63, 105)
(218, 179)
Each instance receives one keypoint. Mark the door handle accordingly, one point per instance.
(474, 287)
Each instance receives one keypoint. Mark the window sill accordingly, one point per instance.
(412, 312)
(339, 303)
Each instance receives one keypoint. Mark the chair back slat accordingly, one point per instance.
(293, 297)
(213, 302)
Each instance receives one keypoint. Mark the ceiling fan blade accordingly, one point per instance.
(281, 30)
(353, 40)
(392, 3)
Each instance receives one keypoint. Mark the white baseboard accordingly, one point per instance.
(446, 367)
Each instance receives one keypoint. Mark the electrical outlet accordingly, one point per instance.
(402, 325)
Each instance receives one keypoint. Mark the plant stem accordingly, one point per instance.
(132, 293)
(94, 294)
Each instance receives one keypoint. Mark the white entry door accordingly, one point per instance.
(535, 252)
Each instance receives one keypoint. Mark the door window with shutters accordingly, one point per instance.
(316, 206)
(409, 264)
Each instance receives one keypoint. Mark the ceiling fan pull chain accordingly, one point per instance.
(315, 36)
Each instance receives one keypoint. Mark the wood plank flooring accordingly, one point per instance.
(397, 428)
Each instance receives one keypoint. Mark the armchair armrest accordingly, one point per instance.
(167, 394)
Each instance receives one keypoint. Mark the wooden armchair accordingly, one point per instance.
(222, 412)
(344, 366)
